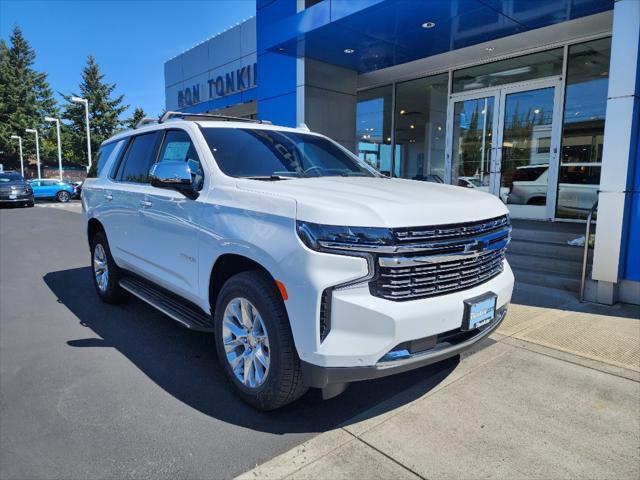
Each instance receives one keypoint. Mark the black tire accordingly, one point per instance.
(283, 382)
(63, 196)
(31, 203)
(112, 292)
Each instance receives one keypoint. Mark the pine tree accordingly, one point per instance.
(104, 112)
(25, 99)
(138, 114)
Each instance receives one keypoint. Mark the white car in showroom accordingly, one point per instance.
(309, 267)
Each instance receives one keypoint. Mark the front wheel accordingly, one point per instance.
(63, 196)
(254, 342)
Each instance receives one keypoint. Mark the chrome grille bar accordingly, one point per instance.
(467, 259)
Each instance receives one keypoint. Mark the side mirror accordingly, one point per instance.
(174, 176)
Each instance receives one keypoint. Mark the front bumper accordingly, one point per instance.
(20, 198)
(322, 377)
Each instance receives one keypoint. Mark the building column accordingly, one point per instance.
(620, 154)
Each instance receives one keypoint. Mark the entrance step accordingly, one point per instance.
(539, 253)
(549, 249)
(560, 281)
(181, 311)
(551, 264)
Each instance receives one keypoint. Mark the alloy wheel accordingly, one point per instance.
(100, 267)
(246, 342)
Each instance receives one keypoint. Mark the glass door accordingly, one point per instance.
(527, 157)
(473, 141)
(505, 141)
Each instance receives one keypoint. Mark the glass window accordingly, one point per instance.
(421, 118)
(373, 128)
(103, 156)
(472, 137)
(583, 127)
(178, 147)
(526, 67)
(138, 159)
(269, 154)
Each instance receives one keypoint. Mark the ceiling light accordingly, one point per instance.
(536, 111)
(412, 126)
(402, 112)
(428, 25)
(388, 139)
(439, 128)
(348, 51)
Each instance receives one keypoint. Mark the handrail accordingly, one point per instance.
(585, 255)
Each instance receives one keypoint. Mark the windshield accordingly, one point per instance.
(10, 177)
(272, 154)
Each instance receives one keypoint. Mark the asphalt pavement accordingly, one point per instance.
(89, 390)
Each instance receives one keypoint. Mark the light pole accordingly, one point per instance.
(20, 149)
(86, 117)
(33, 130)
(57, 121)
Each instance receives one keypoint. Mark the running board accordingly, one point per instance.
(189, 316)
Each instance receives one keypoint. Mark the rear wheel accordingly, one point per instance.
(106, 274)
(63, 196)
(254, 342)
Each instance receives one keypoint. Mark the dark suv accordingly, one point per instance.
(15, 190)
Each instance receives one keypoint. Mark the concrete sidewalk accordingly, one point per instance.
(555, 393)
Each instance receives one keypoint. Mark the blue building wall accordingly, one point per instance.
(632, 225)
(276, 92)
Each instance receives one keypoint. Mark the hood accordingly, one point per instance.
(380, 202)
(13, 183)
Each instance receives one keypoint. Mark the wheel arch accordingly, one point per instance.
(94, 226)
(226, 266)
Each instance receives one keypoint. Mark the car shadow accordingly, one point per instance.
(184, 364)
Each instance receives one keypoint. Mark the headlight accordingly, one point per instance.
(335, 237)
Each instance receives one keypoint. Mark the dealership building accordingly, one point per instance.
(536, 102)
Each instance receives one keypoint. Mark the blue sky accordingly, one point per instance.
(131, 40)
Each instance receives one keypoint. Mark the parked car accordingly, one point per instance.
(529, 185)
(15, 190)
(77, 187)
(52, 188)
(310, 268)
(475, 182)
(578, 185)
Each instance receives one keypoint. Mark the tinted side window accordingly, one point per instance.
(102, 157)
(178, 147)
(138, 159)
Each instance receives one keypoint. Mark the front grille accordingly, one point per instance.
(456, 230)
(453, 260)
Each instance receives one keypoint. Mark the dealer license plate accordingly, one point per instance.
(13, 196)
(479, 311)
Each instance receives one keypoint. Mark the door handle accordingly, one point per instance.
(108, 196)
(145, 204)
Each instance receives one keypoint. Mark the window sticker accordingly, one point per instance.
(176, 151)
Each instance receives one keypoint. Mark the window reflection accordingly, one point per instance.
(421, 116)
(373, 128)
(511, 70)
(472, 141)
(583, 128)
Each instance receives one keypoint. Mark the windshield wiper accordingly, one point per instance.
(268, 178)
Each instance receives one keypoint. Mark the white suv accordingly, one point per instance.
(310, 268)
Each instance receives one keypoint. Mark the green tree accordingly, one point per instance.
(25, 98)
(104, 112)
(138, 114)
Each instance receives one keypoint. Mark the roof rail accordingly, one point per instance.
(203, 116)
(144, 121)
